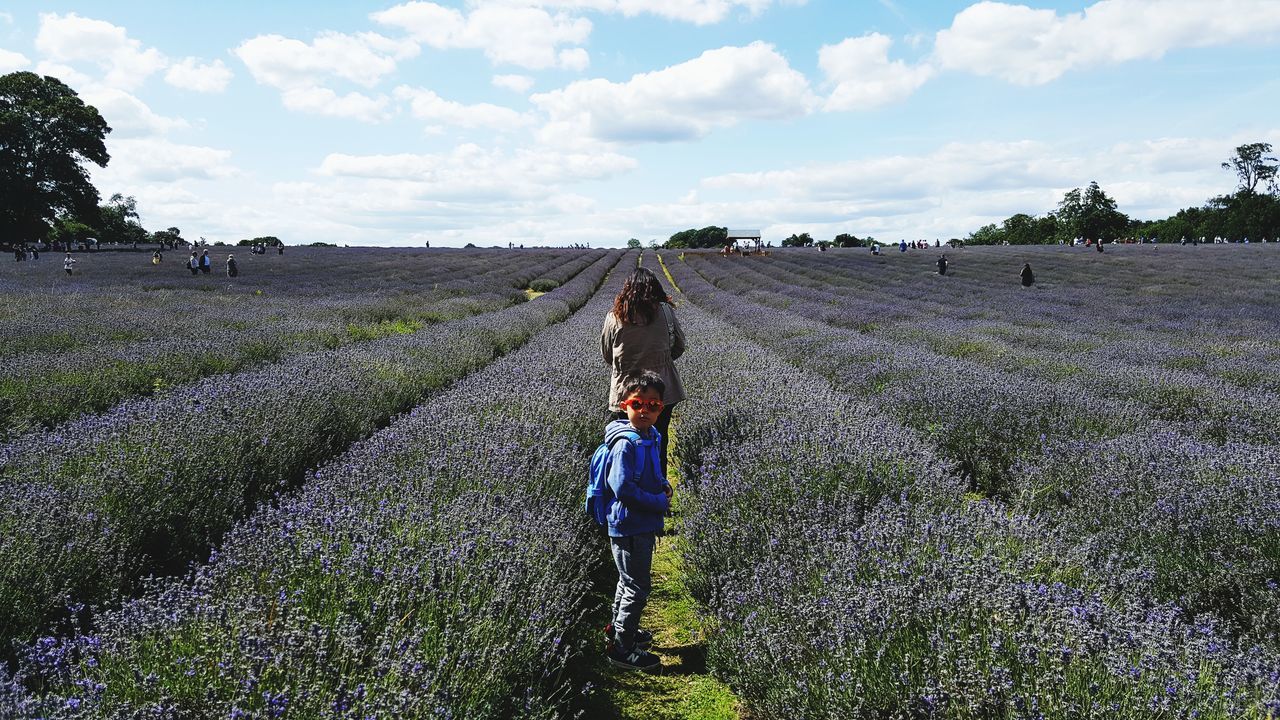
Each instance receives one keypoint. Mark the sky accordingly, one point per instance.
(556, 122)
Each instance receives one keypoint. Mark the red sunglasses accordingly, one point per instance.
(638, 404)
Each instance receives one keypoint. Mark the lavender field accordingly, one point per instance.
(356, 490)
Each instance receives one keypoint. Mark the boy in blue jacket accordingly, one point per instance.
(636, 513)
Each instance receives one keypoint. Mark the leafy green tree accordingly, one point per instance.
(1090, 213)
(47, 133)
(847, 240)
(989, 234)
(118, 221)
(171, 236)
(1253, 166)
(801, 240)
(634, 243)
(68, 229)
(707, 237)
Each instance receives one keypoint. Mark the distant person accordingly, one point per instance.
(193, 263)
(635, 506)
(155, 258)
(641, 332)
(232, 270)
(902, 246)
(206, 264)
(18, 255)
(68, 263)
(942, 264)
(280, 249)
(875, 248)
(35, 251)
(1099, 245)
(1028, 277)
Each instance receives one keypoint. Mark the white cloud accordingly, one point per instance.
(301, 70)
(191, 74)
(323, 101)
(863, 76)
(511, 34)
(682, 102)
(11, 61)
(470, 170)
(516, 83)
(71, 77)
(73, 39)
(699, 12)
(286, 63)
(136, 162)
(426, 105)
(128, 116)
(1029, 46)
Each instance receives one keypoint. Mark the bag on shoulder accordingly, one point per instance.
(599, 495)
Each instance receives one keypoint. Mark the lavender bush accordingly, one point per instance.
(105, 341)
(437, 569)
(101, 501)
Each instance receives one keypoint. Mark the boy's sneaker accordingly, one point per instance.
(644, 638)
(633, 659)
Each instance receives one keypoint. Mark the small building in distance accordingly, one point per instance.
(746, 240)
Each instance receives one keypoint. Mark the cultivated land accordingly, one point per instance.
(901, 495)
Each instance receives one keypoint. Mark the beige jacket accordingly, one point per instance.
(630, 349)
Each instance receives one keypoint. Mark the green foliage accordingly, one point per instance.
(707, 237)
(633, 243)
(542, 285)
(1253, 167)
(847, 240)
(171, 235)
(118, 221)
(47, 133)
(801, 240)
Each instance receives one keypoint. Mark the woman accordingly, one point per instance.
(640, 333)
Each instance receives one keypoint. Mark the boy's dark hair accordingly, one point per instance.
(641, 382)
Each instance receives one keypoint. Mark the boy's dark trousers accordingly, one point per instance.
(634, 558)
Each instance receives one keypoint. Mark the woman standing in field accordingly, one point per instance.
(641, 333)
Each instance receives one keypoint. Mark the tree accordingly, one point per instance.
(801, 240)
(1253, 166)
(634, 243)
(118, 221)
(846, 240)
(47, 133)
(1090, 213)
(172, 236)
(989, 234)
(707, 237)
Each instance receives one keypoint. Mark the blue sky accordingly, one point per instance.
(548, 122)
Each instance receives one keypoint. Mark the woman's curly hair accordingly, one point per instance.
(637, 303)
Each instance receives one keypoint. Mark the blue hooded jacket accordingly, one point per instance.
(637, 507)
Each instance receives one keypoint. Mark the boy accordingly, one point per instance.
(636, 514)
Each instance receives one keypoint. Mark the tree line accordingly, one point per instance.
(1252, 211)
(48, 136)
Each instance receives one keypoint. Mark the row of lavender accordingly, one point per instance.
(1155, 372)
(97, 503)
(1009, 434)
(1209, 542)
(437, 569)
(1150, 310)
(848, 574)
(75, 345)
